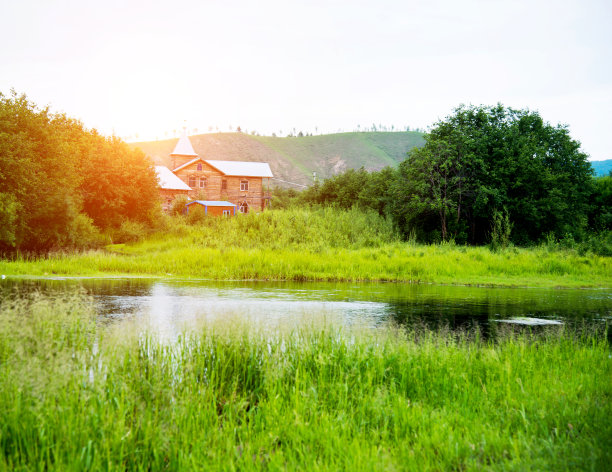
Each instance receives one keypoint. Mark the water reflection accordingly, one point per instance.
(168, 306)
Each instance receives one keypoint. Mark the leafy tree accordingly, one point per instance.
(496, 158)
(58, 179)
(600, 216)
(37, 176)
(432, 183)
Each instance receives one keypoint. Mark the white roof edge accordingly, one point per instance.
(169, 181)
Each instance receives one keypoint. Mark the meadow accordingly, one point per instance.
(322, 244)
(316, 396)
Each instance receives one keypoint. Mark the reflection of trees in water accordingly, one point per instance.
(471, 316)
(440, 316)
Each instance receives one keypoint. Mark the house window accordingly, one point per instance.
(224, 185)
(192, 181)
(227, 212)
(200, 166)
(244, 207)
(244, 185)
(202, 183)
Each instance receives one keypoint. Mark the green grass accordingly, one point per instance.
(318, 245)
(316, 396)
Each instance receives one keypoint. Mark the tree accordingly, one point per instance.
(497, 158)
(600, 217)
(58, 179)
(433, 183)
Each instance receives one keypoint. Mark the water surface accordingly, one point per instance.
(168, 306)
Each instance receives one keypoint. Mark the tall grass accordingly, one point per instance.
(324, 244)
(316, 396)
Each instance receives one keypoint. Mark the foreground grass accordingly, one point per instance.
(325, 245)
(314, 397)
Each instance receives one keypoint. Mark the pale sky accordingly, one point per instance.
(144, 67)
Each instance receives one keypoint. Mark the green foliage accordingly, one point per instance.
(57, 178)
(501, 228)
(235, 396)
(477, 161)
(353, 188)
(129, 231)
(322, 244)
(283, 198)
(178, 205)
(9, 211)
(431, 184)
(118, 182)
(513, 159)
(313, 229)
(196, 214)
(600, 217)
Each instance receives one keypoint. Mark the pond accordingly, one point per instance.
(168, 306)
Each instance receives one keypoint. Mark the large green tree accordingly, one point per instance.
(481, 161)
(58, 179)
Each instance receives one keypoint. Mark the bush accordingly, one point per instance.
(129, 231)
(500, 230)
(178, 205)
(196, 214)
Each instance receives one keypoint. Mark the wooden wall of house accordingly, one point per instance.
(212, 210)
(214, 181)
(218, 210)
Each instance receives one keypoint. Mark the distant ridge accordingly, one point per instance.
(602, 167)
(294, 159)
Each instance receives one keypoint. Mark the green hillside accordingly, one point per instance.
(294, 159)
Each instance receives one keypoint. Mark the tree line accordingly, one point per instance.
(485, 175)
(62, 185)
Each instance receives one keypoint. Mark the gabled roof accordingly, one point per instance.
(169, 181)
(242, 168)
(187, 164)
(183, 147)
(212, 203)
(234, 168)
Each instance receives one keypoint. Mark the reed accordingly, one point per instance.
(325, 245)
(313, 396)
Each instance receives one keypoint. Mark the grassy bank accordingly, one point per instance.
(232, 397)
(325, 245)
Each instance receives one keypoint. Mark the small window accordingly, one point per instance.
(200, 166)
(244, 185)
(202, 183)
(227, 212)
(244, 207)
(224, 185)
(192, 181)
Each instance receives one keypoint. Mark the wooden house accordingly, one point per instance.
(244, 184)
(170, 186)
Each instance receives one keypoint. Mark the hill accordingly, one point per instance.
(294, 159)
(602, 167)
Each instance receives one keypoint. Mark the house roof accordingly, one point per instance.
(169, 181)
(234, 168)
(183, 147)
(242, 168)
(212, 203)
(188, 163)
